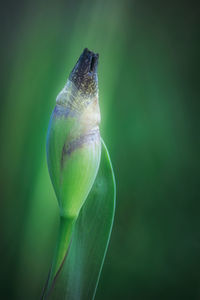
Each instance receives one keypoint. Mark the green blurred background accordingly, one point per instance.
(149, 99)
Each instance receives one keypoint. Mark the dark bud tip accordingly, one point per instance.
(84, 74)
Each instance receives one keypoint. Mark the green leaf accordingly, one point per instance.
(79, 275)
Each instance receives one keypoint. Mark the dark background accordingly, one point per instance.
(149, 99)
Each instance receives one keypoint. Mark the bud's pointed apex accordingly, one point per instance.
(84, 74)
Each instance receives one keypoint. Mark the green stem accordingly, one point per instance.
(63, 243)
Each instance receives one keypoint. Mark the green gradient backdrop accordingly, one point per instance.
(149, 99)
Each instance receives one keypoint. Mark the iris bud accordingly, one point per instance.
(73, 141)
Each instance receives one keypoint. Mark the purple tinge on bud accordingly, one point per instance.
(84, 74)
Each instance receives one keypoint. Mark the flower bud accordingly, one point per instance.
(73, 141)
